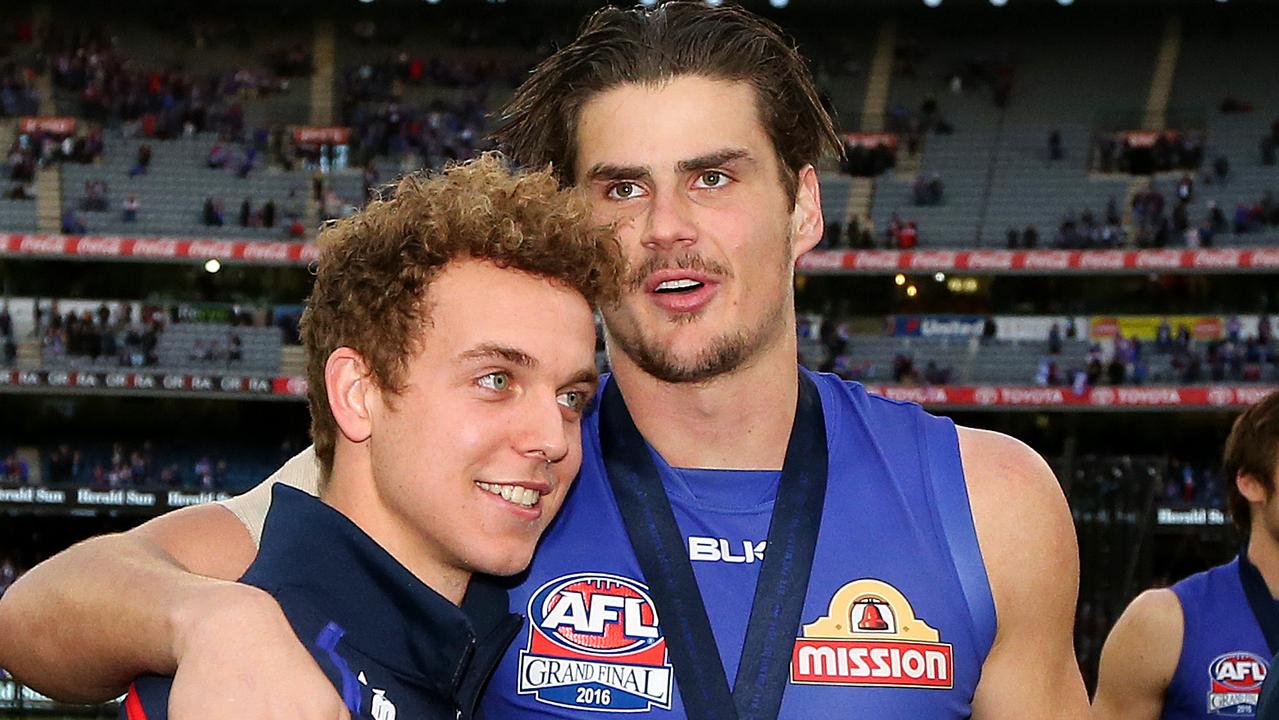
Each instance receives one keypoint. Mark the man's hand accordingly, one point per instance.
(239, 658)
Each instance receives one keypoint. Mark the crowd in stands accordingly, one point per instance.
(859, 234)
(1170, 150)
(18, 94)
(8, 340)
(132, 466)
(105, 333)
(159, 102)
(1128, 361)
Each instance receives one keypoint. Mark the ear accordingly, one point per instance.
(1251, 488)
(351, 392)
(807, 222)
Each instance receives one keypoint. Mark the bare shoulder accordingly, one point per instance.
(1149, 635)
(205, 539)
(1023, 523)
(1027, 543)
(1140, 658)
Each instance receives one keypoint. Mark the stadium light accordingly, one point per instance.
(999, 3)
(1065, 3)
(932, 3)
(714, 3)
(779, 3)
(912, 291)
(432, 2)
(212, 265)
(648, 3)
(940, 277)
(900, 279)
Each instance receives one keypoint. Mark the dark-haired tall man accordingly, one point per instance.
(746, 539)
(1201, 648)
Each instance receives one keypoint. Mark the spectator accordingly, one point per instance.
(72, 224)
(1030, 237)
(1054, 339)
(213, 214)
(143, 163)
(246, 213)
(1014, 239)
(1221, 167)
(1055, 151)
(131, 206)
(268, 214)
(217, 158)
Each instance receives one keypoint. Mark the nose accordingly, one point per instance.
(547, 435)
(670, 221)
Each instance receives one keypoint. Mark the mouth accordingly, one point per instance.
(678, 287)
(517, 495)
(680, 291)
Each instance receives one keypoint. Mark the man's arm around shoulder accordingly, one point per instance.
(1140, 658)
(1028, 545)
(160, 599)
(85, 622)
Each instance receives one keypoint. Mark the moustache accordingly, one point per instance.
(636, 275)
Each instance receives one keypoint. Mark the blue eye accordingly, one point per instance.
(572, 399)
(495, 381)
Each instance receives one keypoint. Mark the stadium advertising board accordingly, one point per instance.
(1003, 397)
(71, 247)
(871, 262)
(1146, 327)
(48, 124)
(936, 326)
(79, 499)
(871, 140)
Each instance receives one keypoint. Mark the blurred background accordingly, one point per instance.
(1056, 219)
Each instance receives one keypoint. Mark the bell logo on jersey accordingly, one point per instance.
(1236, 683)
(871, 637)
(595, 644)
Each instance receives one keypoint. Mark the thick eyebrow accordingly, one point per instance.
(488, 351)
(719, 158)
(608, 171)
(587, 376)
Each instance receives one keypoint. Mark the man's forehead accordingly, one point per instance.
(692, 115)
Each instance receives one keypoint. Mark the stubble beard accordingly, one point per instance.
(723, 355)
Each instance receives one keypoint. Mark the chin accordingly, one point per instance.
(510, 563)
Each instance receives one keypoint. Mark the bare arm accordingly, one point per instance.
(84, 623)
(159, 599)
(1028, 545)
(1140, 658)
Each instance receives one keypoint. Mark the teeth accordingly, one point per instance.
(683, 284)
(526, 497)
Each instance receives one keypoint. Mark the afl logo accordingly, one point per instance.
(595, 644)
(1236, 679)
(1239, 672)
(596, 614)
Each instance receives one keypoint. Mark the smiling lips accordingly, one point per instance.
(516, 494)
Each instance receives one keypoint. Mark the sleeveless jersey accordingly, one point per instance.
(897, 620)
(1223, 651)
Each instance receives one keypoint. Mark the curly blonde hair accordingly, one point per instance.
(376, 267)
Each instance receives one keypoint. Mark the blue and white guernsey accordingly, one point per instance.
(898, 616)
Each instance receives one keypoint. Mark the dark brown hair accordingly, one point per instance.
(1252, 449)
(655, 45)
(376, 267)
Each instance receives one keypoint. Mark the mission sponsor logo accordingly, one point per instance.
(871, 637)
(1236, 679)
(595, 644)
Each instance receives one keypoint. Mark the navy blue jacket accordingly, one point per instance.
(391, 646)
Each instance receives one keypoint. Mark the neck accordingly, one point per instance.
(1263, 552)
(352, 492)
(736, 421)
